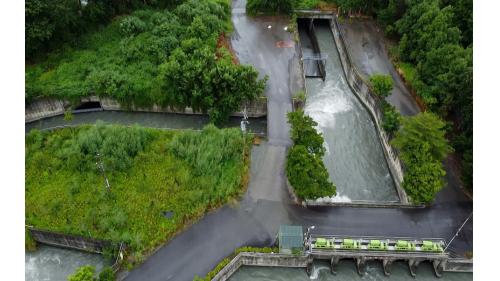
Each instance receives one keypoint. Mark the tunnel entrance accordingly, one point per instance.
(88, 106)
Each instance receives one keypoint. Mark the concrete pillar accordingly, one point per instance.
(333, 264)
(439, 267)
(361, 265)
(413, 265)
(311, 25)
(386, 264)
(309, 268)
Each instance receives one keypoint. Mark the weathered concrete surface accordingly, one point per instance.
(366, 44)
(260, 259)
(255, 44)
(48, 107)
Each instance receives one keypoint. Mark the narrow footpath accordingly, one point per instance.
(256, 218)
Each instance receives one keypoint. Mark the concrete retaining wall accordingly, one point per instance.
(459, 265)
(44, 108)
(362, 90)
(68, 241)
(48, 107)
(260, 259)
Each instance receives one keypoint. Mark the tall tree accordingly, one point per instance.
(425, 127)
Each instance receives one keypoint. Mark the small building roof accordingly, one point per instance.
(290, 236)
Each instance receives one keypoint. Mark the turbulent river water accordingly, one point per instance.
(354, 157)
(346, 271)
(55, 264)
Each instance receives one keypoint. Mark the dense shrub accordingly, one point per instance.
(107, 274)
(305, 169)
(132, 25)
(185, 173)
(84, 273)
(381, 84)
(270, 7)
(391, 118)
(169, 58)
(423, 147)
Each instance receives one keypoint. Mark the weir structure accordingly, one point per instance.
(387, 250)
(332, 248)
(363, 91)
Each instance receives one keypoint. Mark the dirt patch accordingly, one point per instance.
(285, 44)
(223, 42)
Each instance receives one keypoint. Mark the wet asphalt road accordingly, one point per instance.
(366, 45)
(266, 205)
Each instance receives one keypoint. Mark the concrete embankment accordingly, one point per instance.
(76, 242)
(260, 259)
(48, 107)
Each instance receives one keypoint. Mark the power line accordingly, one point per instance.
(458, 231)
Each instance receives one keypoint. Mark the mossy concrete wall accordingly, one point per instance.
(48, 107)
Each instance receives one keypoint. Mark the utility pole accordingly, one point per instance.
(100, 166)
(458, 231)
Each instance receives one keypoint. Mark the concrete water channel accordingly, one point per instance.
(256, 218)
(354, 156)
(55, 264)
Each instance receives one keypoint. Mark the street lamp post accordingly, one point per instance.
(100, 166)
(307, 240)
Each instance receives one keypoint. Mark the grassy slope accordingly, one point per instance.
(60, 198)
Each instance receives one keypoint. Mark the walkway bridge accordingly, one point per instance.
(387, 250)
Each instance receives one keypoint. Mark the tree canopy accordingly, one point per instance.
(423, 147)
(304, 167)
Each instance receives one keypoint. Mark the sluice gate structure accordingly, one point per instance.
(313, 61)
(387, 250)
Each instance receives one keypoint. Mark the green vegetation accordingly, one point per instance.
(434, 54)
(84, 273)
(87, 272)
(423, 147)
(227, 260)
(177, 57)
(392, 118)
(382, 85)
(107, 274)
(305, 169)
(68, 115)
(269, 7)
(29, 243)
(300, 95)
(151, 173)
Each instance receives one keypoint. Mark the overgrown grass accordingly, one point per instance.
(153, 57)
(150, 172)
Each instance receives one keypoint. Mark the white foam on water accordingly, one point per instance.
(323, 106)
(316, 270)
(334, 199)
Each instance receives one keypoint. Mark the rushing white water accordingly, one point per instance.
(354, 157)
(346, 271)
(55, 264)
